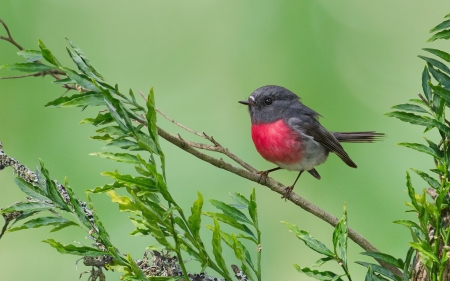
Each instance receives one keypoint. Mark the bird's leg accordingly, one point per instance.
(264, 174)
(288, 190)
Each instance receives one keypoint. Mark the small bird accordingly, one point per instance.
(288, 133)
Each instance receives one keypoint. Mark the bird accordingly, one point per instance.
(288, 133)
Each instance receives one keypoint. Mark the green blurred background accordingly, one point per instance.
(349, 60)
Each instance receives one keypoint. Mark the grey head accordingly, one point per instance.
(271, 103)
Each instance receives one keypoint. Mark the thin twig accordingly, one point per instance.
(217, 146)
(9, 38)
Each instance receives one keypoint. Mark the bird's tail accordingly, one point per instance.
(358, 136)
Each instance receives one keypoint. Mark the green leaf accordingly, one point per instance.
(310, 241)
(340, 236)
(147, 183)
(47, 54)
(379, 269)
(322, 261)
(442, 92)
(43, 221)
(63, 225)
(105, 188)
(217, 248)
(369, 275)
(411, 118)
(195, 218)
(27, 207)
(411, 192)
(75, 250)
(425, 86)
(436, 63)
(84, 99)
(118, 157)
(406, 271)
(80, 79)
(125, 203)
(431, 181)
(441, 77)
(30, 55)
(410, 107)
(85, 59)
(230, 211)
(421, 148)
(31, 190)
(232, 222)
(318, 275)
(29, 67)
(409, 224)
(445, 34)
(424, 250)
(241, 201)
(101, 119)
(386, 258)
(442, 25)
(443, 55)
(252, 208)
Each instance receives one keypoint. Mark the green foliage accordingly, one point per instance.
(432, 230)
(153, 210)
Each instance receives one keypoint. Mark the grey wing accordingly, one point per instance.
(310, 127)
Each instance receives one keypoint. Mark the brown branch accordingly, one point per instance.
(9, 38)
(276, 187)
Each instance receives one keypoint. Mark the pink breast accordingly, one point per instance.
(277, 143)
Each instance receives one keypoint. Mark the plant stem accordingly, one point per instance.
(177, 246)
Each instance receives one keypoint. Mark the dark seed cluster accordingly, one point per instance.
(20, 170)
(63, 191)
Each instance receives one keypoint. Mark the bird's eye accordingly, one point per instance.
(268, 101)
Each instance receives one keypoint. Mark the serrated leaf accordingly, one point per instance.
(31, 190)
(43, 221)
(441, 77)
(425, 86)
(424, 250)
(47, 54)
(28, 67)
(84, 99)
(101, 119)
(410, 107)
(411, 192)
(411, 118)
(445, 34)
(129, 180)
(409, 224)
(84, 58)
(310, 241)
(30, 55)
(75, 250)
(118, 157)
(232, 222)
(230, 211)
(318, 275)
(340, 236)
(27, 207)
(195, 218)
(217, 248)
(431, 181)
(379, 269)
(105, 188)
(436, 63)
(443, 55)
(442, 25)
(421, 148)
(125, 203)
(252, 208)
(80, 79)
(386, 258)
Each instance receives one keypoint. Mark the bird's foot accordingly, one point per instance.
(287, 192)
(263, 175)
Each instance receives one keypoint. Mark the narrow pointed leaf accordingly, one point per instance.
(431, 181)
(84, 99)
(445, 34)
(436, 63)
(230, 211)
(195, 218)
(310, 241)
(379, 269)
(443, 55)
(28, 67)
(43, 221)
(386, 258)
(27, 207)
(318, 275)
(411, 118)
(31, 190)
(421, 148)
(30, 55)
(442, 25)
(75, 250)
(410, 107)
(425, 84)
(118, 157)
(217, 248)
(47, 54)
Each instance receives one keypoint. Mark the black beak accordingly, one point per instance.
(249, 102)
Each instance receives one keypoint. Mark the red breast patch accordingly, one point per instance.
(278, 143)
